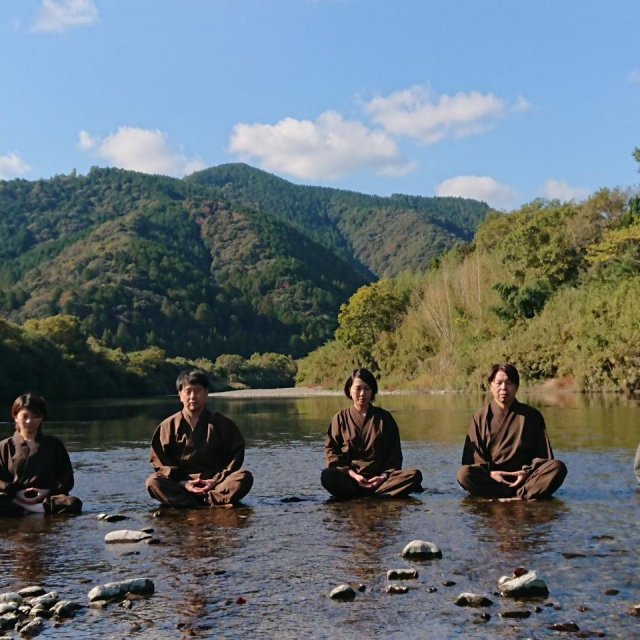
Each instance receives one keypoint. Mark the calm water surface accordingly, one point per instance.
(282, 559)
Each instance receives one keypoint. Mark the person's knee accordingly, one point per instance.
(463, 476)
(558, 468)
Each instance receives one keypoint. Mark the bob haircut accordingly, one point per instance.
(367, 377)
(31, 401)
(192, 376)
(509, 369)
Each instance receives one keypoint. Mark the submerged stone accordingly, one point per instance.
(515, 613)
(111, 517)
(564, 626)
(116, 590)
(396, 588)
(421, 550)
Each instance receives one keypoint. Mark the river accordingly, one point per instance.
(265, 569)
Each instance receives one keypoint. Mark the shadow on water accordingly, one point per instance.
(265, 569)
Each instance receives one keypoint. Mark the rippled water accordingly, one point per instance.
(265, 569)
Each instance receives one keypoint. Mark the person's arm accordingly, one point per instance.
(636, 465)
(161, 459)
(473, 451)
(334, 456)
(233, 444)
(393, 448)
(8, 486)
(64, 471)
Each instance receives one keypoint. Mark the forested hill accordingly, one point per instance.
(200, 269)
(384, 235)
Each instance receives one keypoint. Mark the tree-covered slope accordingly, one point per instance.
(380, 235)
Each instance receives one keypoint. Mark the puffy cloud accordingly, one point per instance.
(56, 16)
(483, 188)
(140, 150)
(328, 148)
(558, 190)
(12, 166)
(420, 115)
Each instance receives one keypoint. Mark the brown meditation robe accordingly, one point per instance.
(212, 450)
(509, 440)
(48, 468)
(369, 445)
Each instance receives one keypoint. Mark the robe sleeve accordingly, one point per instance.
(334, 455)
(542, 450)
(636, 465)
(233, 444)
(393, 449)
(64, 472)
(473, 451)
(7, 484)
(162, 459)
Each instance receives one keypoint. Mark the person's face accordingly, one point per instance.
(360, 393)
(193, 397)
(503, 390)
(28, 423)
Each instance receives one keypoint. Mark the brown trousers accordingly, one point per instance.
(542, 482)
(400, 483)
(230, 491)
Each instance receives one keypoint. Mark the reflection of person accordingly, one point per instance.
(197, 454)
(507, 453)
(35, 471)
(636, 465)
(362, 447)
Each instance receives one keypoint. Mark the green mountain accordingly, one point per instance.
(229, 260)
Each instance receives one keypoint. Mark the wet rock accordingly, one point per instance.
(65, 609)
(634, 610)
(40, 611)
(7, 607)
(515, 613)
(126, 535)
(343, 592)
(32, 629)
(449, 583)
(114, 517)
(362, 588)
(590, 634)
(421, 550)
(402, 574)
(612, 592)
(567, 627)
(32, 591)
(396, 588)
(117, 590)
(11, 596)
(570, 555)
(9, 620)
(525, 585)
(472, 600)
(45, 601)
(291, 499)
(432, 589)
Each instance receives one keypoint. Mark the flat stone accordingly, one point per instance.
(11, 596)
(402, 574)
(564, 626)
(126, 535)
(472, 600)
(46, 600)
(515, 613)
(396, 589)
(421, 550)
(32, 591)
(343, 592)
(8, 607)
(116, 590)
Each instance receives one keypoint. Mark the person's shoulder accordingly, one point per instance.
(527, 410)
(218, 419)
(46, 438)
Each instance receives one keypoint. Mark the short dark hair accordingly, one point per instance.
(367, 377)
(192, 376)
(505, 367)
(35, 403)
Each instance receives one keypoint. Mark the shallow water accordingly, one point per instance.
(282, 559)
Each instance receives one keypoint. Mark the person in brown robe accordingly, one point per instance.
(362, 448)
(35, 470)
(507, 453)
(197, 453)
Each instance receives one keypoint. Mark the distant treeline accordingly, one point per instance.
(553, 288)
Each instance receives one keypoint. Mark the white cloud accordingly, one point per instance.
(140, 150)
(12, 166)
(420, 115)
(328, 148)
(558, 190)
(56, 16)
(484, 188)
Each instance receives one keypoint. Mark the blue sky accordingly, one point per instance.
(504, 101)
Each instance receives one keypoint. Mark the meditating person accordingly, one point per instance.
(507, 453)
(35, 470)
(362, 448)
(196, 453)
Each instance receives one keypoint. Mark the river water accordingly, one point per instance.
(265, 569)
